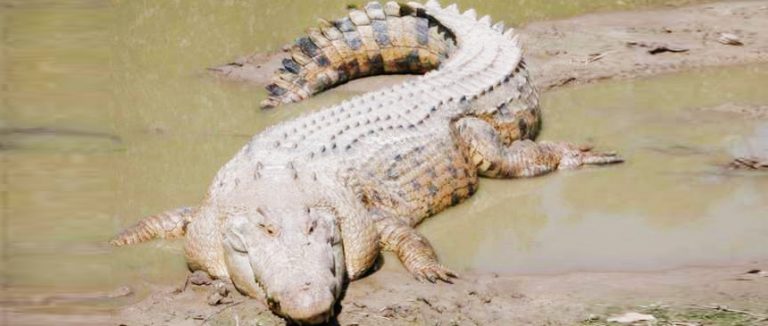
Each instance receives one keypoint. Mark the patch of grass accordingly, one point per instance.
(673, 316)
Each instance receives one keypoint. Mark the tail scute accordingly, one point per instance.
(171, 224)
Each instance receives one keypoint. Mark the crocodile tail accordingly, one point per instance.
(171, 224)
(378, 39)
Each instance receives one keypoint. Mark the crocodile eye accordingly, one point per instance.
(269, 229)
(312, 227)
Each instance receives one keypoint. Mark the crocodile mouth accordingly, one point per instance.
(317, 314)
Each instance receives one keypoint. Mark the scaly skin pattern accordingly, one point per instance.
(323, 194)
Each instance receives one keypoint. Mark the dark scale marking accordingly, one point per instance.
(376, 63)
(353, 68)
(275, 90)
(415, 184)
(406, 10)
(344, 24)
(453, 171)
(523, 128)
(322, 61)
(353, 40)
(471, 188)
(291, 65)
(380, 32)
(398, 157)
(433, 190)
(307, 46)
(403, 64)
(413, 60)
(455, 199)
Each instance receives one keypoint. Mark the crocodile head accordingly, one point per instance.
(288, 253)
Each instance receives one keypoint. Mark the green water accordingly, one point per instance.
(107, 116)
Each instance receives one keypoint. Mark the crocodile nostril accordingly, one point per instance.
(307, 283)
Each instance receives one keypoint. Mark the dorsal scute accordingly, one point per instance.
(485, 21)
(499, 27)
(433, 4)
(471, 13)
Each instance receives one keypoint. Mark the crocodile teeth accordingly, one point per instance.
(499, 27)
(453, 8)
(485, 21)
(433, 4)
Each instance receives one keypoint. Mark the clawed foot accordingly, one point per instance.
(574, 156)
(599, 158)
(219, 293)
(433, 272)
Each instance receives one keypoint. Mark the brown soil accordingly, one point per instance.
(566, 52)
(395, 298)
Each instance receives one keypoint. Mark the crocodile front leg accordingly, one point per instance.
(523, 158)
(413, 250)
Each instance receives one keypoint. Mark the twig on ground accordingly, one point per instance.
(208, 318)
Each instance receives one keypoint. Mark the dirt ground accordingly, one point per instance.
(395, 298)
(560, 53)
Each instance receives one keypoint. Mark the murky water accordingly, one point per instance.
(106, 117)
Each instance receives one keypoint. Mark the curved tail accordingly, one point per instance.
(379, 39)
(171, 224)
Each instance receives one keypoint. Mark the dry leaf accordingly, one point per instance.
(631, 317)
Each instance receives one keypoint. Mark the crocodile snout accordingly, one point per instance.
(308, 304)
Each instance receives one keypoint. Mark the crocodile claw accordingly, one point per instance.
(435, 272)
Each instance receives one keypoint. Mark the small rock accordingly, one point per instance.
(759, 272)
(730, 39)
(219, 295)
(200, 278)
(631, 317)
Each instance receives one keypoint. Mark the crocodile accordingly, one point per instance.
(307, 205)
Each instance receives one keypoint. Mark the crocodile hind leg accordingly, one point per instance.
(413, 250)
(522, 158)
